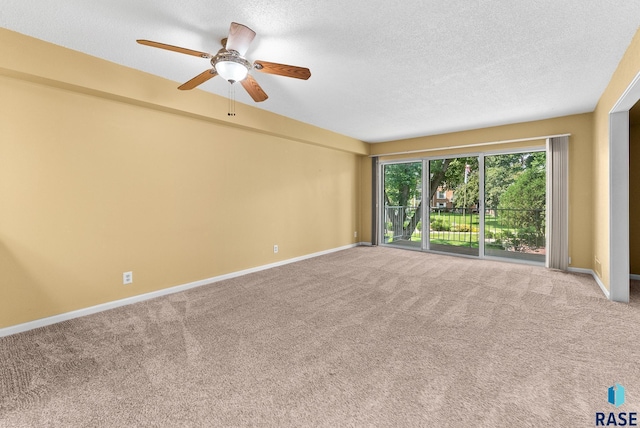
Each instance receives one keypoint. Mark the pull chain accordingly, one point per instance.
(232, 100)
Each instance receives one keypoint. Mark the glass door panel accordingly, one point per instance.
(402, 204)
(453, 205)
(515, 204)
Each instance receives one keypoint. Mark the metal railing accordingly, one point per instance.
(455, 226)
(397, 220)
(506, 229)
(521, 230)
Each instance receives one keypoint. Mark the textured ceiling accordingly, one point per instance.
(381, 69)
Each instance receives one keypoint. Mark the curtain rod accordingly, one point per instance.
(518, 140)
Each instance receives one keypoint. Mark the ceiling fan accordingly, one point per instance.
(231, 64)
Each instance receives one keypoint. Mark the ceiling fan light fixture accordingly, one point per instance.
(231, 65)
(231, 71)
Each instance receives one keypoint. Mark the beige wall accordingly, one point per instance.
(580, 161)
(628, 68)
(104, 170)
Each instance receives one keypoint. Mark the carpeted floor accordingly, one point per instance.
(363, 337)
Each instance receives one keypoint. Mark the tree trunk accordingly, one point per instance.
(435, 182)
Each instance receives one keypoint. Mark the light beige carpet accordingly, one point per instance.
(362, 337)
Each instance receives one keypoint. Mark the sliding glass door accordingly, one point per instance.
(402, 204)
(515, 206)
(484, 205)
(454, 200)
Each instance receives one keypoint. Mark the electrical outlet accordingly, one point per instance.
(127, 278)
(275, 249)
(355, 234)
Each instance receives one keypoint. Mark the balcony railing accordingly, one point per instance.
(397, 220)
(455, 226)
(506, 229)
(521, 230)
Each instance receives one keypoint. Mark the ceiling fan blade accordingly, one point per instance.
(282, 69)
(174, 48)
(254, 89)
(199, 79)
(240, 37)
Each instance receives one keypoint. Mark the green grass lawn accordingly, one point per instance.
(458, 218)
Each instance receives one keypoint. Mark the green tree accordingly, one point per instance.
(402, 183)
(523, 205)
(501, 171)
(468, 194)
(527, 192)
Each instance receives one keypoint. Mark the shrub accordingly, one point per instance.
(440, 225)
(460, 228)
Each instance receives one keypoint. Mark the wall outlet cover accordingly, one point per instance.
(127, 278)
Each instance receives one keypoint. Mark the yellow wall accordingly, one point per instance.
(634, 198)
(104, 170)
(628, 68)
(580, 160)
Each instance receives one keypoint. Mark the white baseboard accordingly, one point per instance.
(7, 331)
(635, 277)
(596, 277)
(365, 244)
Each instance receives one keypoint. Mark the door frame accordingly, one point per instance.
(619, 258)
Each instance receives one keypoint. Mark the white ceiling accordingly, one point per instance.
(381, 69)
